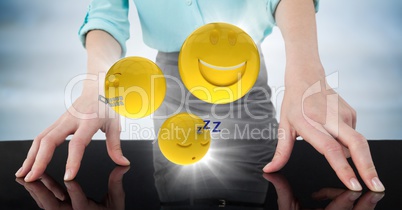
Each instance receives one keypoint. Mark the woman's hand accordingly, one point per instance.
(327, 122)
(83, 119)
(311, 108)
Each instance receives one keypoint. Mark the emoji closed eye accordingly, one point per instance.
(204, 144)
(184, 145)
(223, 68)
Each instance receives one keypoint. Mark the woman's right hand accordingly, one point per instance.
(83, 119)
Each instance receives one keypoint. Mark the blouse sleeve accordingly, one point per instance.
(110, 16)
(273, 4)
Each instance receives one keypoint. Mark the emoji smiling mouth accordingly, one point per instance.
(222, 67)
(221, 75)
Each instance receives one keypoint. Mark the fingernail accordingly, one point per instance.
(378, 186)
(376, 197)
(67, 185)
(18, 172)
(266, 167)
(354, 196)
(126, 160)
(62, 197)
(355, 185)
(67, 175)
(20, 181)
(28, 176)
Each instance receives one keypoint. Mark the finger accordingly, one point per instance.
(354, 118)
(113, 144)
(361, 156)
(332, 151)
(20, 181)
(46, 149)
(369, 201)
(327, 193)
(332, 128)
(352, 111)
(286, 139)
(78, 198)
(283, 190)
(53, 186)
(42, 195)
(279, 181)
(33, 195)
(344, 200)
(76, 149)
(348, 119)
(116, 190)
(27, 165)
(346, 151)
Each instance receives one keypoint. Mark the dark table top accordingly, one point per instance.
(307, 181)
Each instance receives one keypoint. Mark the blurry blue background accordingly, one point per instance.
(40, 53)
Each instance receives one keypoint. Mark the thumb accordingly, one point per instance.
(286, 139)
(113, 144)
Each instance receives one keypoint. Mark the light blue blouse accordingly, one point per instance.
(167, 23)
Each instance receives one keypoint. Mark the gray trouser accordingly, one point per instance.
(247, 144)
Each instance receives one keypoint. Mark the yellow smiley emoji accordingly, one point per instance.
(182, 139)
(219, 63)
(135, 87)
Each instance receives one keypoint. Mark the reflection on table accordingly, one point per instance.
(230, 177)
